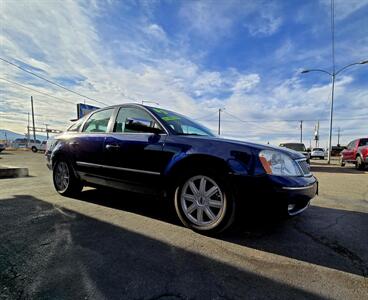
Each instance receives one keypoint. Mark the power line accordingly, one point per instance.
(37, 91)
(257, 125)
(50, 81)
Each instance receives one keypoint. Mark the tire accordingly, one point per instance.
(359, 163)
(204, 214)
(34, 149)
(64, 179)
(342, 163)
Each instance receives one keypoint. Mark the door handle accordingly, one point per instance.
(112, 146)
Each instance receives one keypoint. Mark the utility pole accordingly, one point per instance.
(301, 131)
(28, 132)
(338, 136)
(47, 131)
(316, 134)
(33, 121)
(219, 120)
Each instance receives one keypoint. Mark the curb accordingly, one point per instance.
(13, 172)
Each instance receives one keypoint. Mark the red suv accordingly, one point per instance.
(356, 153)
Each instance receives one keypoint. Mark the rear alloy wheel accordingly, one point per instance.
(359, 163)
(203, 205)
(65, 182)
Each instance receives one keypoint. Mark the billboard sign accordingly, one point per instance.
(84, 109)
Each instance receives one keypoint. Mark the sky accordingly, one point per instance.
(192, 57)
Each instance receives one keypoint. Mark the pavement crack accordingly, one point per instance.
(339, 249)
(337, 220)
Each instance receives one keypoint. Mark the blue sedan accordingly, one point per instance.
(156, 151)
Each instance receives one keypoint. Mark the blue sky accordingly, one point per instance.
(190, 56)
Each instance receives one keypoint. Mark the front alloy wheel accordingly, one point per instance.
(359, 163)
(202, 204)
(65, 182)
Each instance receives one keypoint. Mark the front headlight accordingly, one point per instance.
(278, 163)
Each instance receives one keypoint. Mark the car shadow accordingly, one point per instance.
(48, 252)
(6, 153)
(328, 237)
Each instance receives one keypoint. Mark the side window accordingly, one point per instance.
(98, 121)
(363, 142)
(132, 113)
(351, 145)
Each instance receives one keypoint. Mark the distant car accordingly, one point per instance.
(356, 153)
(35, 147)
(299, 147)
(317, 153)
(157, 151)
(2, 147)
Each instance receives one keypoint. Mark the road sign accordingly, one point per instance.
(84, 109)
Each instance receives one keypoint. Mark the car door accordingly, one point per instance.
(87, 145)
(349, 152)
(135, 158)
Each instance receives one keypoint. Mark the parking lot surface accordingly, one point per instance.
(115, 245)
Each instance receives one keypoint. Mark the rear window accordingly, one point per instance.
(98, 121)
(318, 149)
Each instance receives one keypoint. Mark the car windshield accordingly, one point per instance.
(295, 146)
(317, 149)
(180, 124)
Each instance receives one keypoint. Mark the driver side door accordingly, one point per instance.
(135, 159)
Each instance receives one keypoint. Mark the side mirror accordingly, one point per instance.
(141, 125)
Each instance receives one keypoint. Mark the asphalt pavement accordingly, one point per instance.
(115, 245)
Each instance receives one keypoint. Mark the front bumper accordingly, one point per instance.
(285, 195)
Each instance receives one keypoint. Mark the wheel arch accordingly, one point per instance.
(197, 161)
(58, 155)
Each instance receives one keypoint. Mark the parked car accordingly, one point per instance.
(299, 147)
(35, 147)
(156, 151)
(336, 150)
(356, 153)
(317, 153)
(2, 147)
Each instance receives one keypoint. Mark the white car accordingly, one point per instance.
(317, 153)
(35, 147)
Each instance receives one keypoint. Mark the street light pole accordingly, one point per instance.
(333, 75)
(331, 116)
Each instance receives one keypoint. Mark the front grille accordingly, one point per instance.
(304, 167)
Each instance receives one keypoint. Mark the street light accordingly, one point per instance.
(333, 75)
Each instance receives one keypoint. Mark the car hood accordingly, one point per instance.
(293, 154)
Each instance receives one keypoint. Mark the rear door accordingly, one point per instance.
(87, 146)
(133, 157)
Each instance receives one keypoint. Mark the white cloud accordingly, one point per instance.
(265, 25)
(156, 31)
(246, 82)
(344, 8)
(65, 42)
